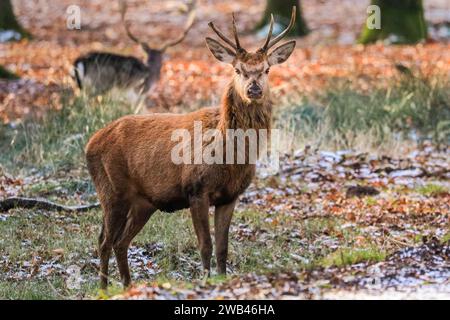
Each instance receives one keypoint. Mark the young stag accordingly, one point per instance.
(134, 175)
(100, 72)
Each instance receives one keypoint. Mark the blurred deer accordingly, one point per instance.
(99, 72)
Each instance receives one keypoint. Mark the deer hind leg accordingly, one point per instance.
(199, 211)
(137, 217)
(222, 220)
(115, 212)
(104, 252)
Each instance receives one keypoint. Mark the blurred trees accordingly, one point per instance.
(5, 74)
(402, 21)
(8, 20)
(282, 9)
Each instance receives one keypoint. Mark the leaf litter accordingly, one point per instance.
(311, 185)
(190, 77)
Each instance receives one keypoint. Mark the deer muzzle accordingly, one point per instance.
(254, 91)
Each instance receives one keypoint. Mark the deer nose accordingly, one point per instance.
(254, 91)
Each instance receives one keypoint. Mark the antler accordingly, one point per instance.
(264, 48)
(270, 43)
(236, 37)
(187, 27)
(267, 44)
(236, 46)
(123, 10)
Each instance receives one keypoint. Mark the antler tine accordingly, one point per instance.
(189, 23)
(269, 35)
(221, 36)
(286, 31)
(123, 10)
(236, 37)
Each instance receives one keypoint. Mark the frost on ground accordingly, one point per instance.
(344, 224)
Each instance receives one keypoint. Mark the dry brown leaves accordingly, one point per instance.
(199, 81)
(418, 273)
(191, 78)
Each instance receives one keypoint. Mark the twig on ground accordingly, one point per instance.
(28, 203)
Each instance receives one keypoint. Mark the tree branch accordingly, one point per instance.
(28, 203)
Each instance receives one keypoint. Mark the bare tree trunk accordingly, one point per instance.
(402, 21)
(8, 20)
(5, 74)
(281, 9)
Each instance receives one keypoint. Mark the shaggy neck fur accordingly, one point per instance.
(236, 113)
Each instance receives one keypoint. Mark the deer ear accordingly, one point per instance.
(281, 53)
(219, 51)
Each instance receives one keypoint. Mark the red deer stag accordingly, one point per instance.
(131, 166)
(99, 72)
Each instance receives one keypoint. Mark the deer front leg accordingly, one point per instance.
(199, 211)
(222, 220)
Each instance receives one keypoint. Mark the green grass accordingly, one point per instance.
(37, 238)
(349, 256)
(432, 190)
(248, 252)
(176, 233)
(52, 288)
(371, 201)
(409, 108)
(57, 141)
(30, 290)
(33, 239)
(446, 238)
(69, 190)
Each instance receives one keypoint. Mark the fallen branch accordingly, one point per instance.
(28, 203)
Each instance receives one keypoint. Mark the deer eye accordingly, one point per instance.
(267, 71)
(237, 71)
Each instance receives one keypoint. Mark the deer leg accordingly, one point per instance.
(199, 211)
(137, 217)
(112, 222)
(104, 252)
(222, 220)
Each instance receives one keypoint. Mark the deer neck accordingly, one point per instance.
(236, 113)
(154, 65)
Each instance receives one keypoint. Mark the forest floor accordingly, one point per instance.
(328, 225)
(364, 214)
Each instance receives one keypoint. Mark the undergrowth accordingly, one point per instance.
(408, 109)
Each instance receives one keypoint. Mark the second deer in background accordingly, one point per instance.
(99, 72)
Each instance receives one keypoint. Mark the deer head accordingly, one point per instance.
(251, 68)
